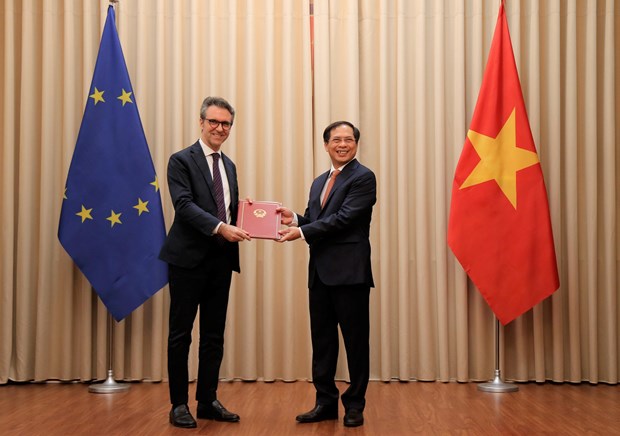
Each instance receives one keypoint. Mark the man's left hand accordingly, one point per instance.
(289, 234)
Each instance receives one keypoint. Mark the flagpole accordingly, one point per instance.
(497, 384)
(114, 4)
(109, 386)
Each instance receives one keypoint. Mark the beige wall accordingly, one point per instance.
(407, 73)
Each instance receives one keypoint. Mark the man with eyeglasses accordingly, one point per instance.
(336, 226)
(202, 251)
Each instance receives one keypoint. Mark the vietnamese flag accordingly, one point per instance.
(499, 227)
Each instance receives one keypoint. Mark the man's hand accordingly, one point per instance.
(233, 234)
(287, 215)
(289, 234)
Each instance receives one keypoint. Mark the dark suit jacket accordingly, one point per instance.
(338, 234)
(190, 239)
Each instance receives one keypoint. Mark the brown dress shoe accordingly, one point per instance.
(180, 417)
(353, 418)
(320, 412)
(215, 410)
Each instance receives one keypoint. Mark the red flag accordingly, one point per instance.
(499, 227)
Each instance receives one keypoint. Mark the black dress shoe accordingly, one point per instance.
(319, 413)
(180, 417)
(215, 410)
(353, 418)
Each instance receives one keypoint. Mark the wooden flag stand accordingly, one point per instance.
(497, 384)
(109, 386)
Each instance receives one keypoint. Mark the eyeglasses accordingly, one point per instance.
(226, 125)
(348, 140)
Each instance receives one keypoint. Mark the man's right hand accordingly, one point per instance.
(233, 233)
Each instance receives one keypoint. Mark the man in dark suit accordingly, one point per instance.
(202, 251)
(336, 226)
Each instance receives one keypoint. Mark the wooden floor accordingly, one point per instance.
(270, 408)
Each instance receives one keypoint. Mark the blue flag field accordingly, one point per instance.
(111, 223)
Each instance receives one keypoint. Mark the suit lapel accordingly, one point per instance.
(228, 168)
(315, 193)
(201, 161)
(341, 179)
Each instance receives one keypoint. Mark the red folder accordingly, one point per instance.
(260, 219)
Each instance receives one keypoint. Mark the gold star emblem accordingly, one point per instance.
(125, 97)
(500, 159)
(114, 218)
(156, 184)
(141, 206)
(85, 214)
(97, 96)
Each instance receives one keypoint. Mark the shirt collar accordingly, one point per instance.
(332, 168)
(206, 150)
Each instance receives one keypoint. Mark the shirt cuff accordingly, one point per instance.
(295, 223)
(217, 228)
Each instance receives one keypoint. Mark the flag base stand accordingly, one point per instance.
(497, 385)
(110, 386)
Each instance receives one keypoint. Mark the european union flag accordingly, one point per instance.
(111, 222)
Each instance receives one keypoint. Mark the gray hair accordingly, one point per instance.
(216, 101)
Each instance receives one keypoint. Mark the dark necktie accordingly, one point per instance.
(330, 184)
(218, 188)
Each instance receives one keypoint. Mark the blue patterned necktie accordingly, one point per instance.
(218, 188)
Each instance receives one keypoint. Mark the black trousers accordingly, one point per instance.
(347, 307)
(207, 287)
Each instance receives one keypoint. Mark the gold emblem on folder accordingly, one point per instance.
(260, 213)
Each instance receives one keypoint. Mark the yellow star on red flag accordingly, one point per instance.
(500, 159)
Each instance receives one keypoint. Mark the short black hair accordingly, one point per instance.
(328, 130)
